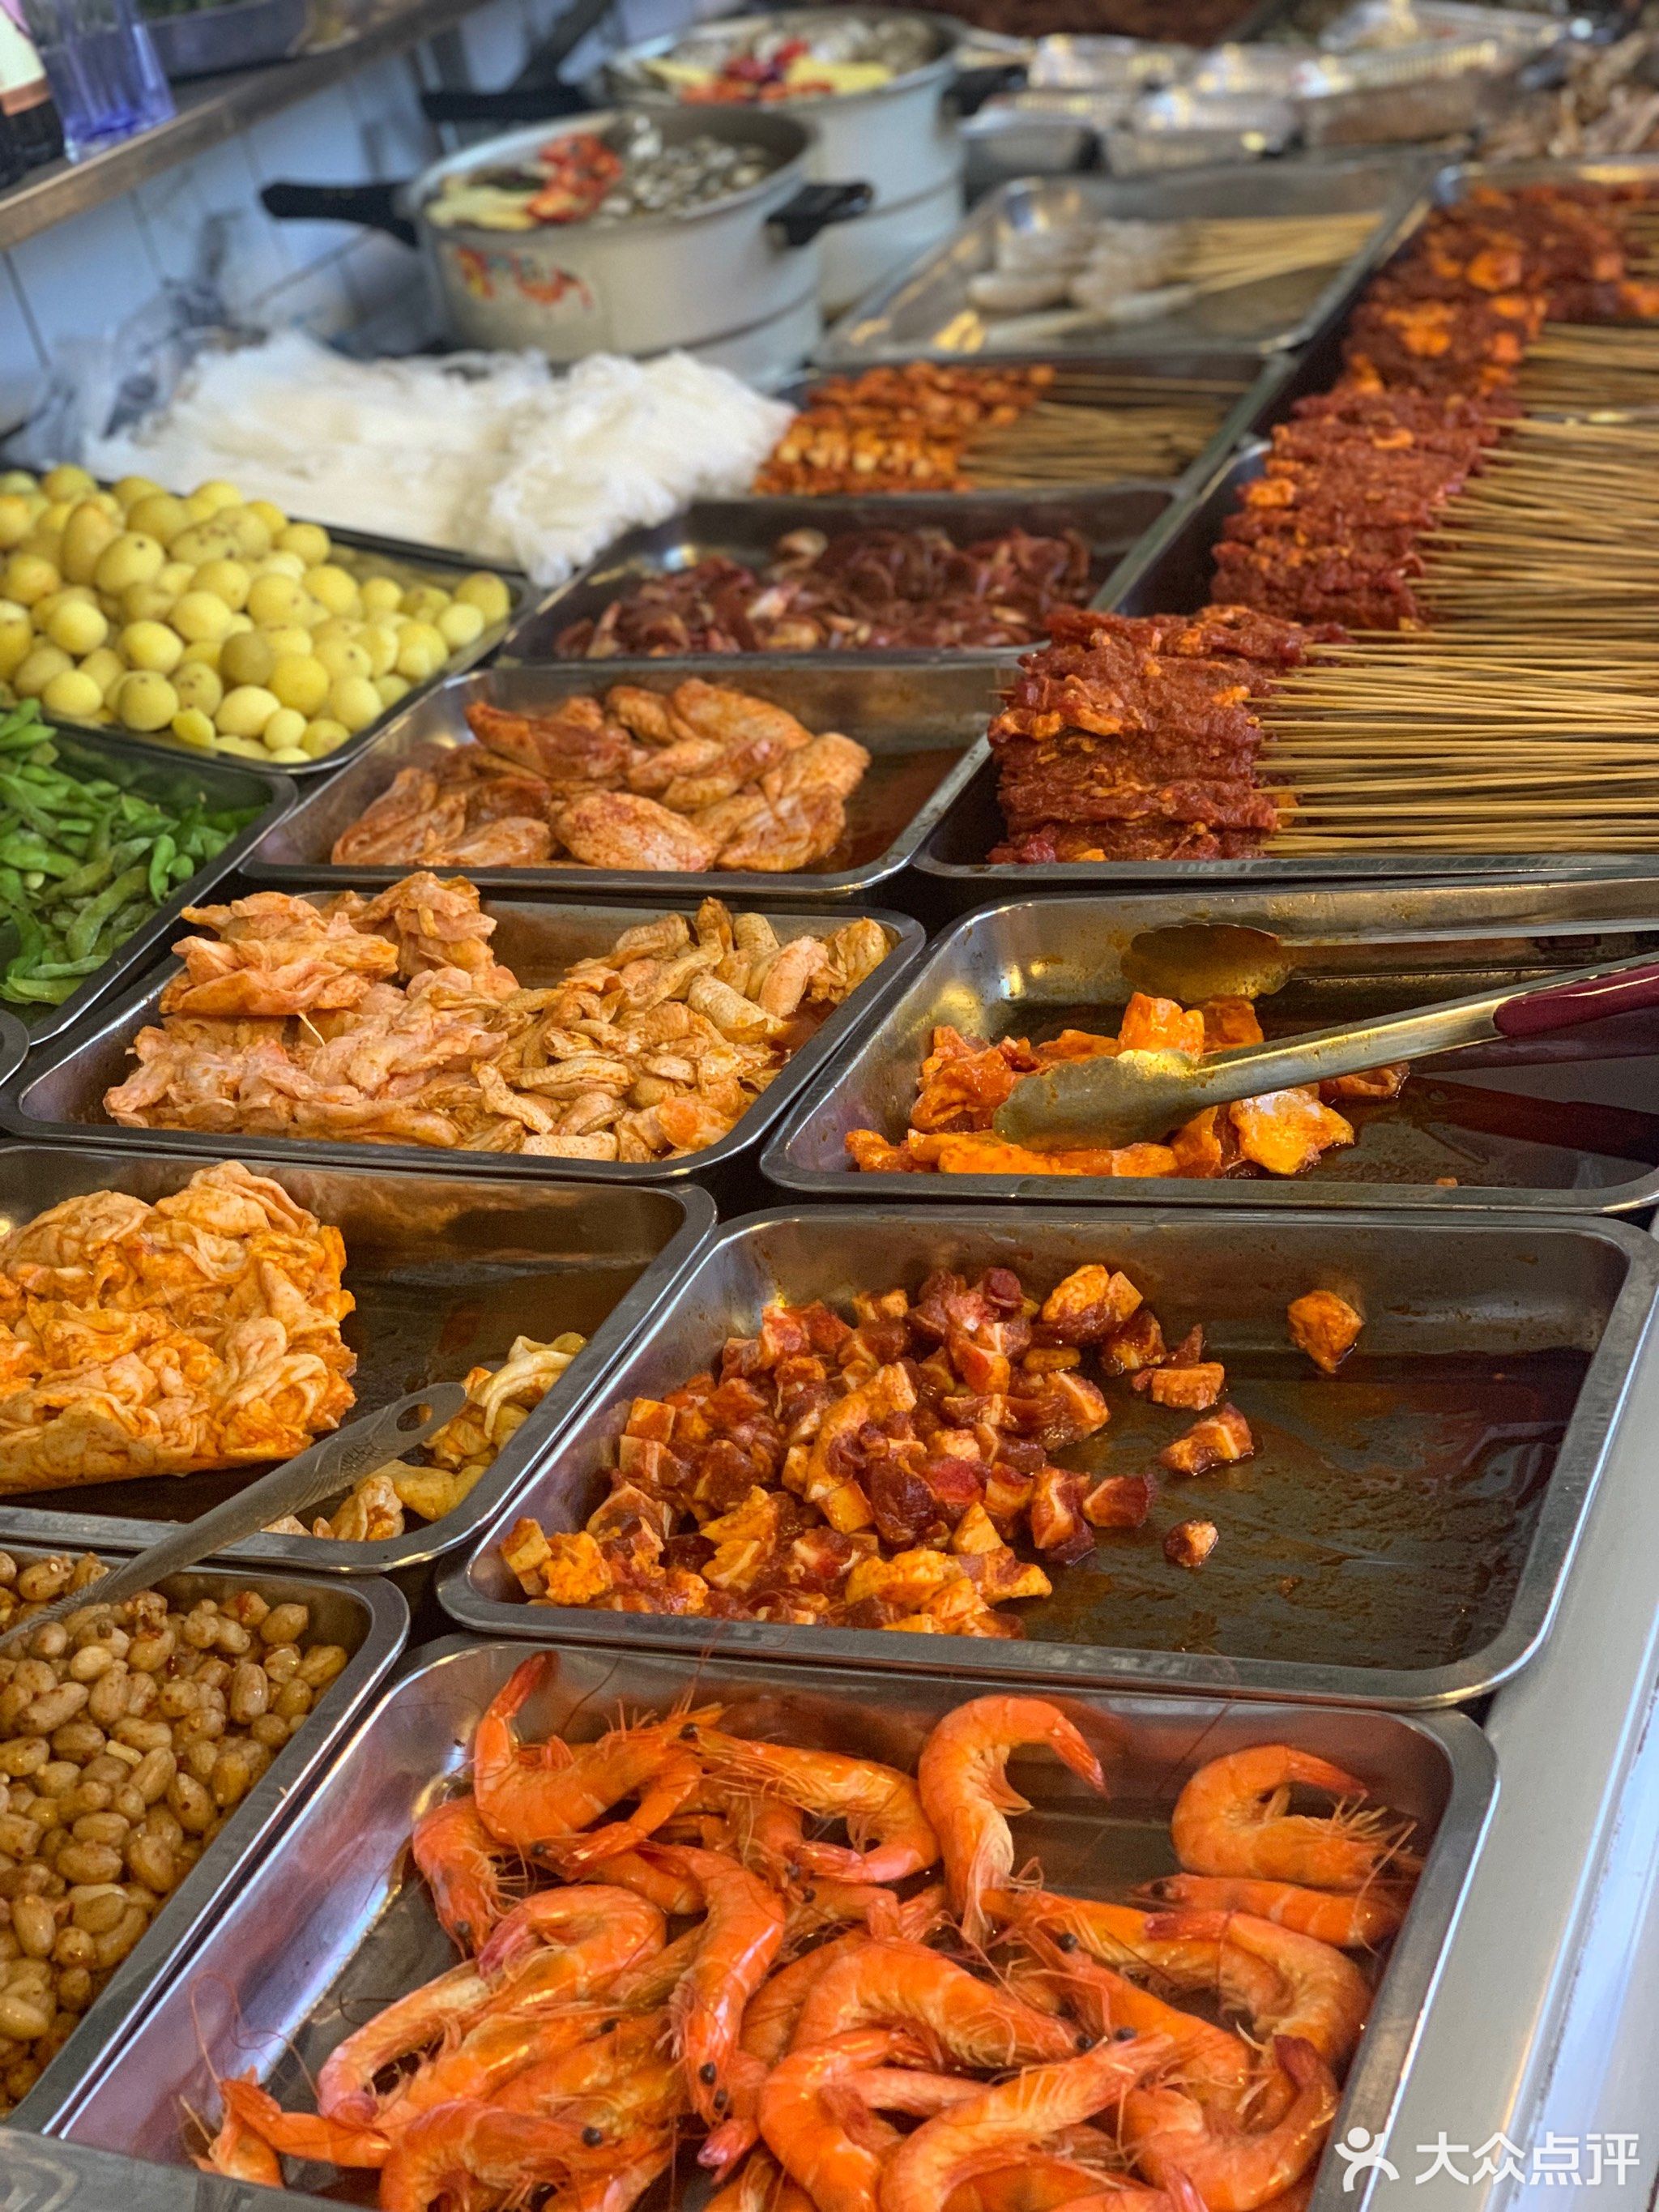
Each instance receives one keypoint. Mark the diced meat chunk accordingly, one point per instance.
(1119, 1501)
(1090, 1304)
(1324, 1325)
(1190, 1543)
(1191, 1387)
(1220, 1438)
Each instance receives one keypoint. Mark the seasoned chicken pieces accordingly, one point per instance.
(963, 1082)
(654, 1048)
(199, 1333)
(700, 777)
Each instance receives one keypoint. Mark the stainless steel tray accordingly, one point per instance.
(1325, 1591)
(925, 727)
(371, 1620)
(423, 564)
(174, 776)
(1562, 1125)
(446, 1273)
(332, 1919)
(747, 529)
(1259, 377)
(57, 1096)
(925, 310)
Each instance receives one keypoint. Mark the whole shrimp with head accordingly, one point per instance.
(966, 1793)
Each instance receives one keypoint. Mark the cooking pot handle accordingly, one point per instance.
(377, 207)
(515, 103)
(974, 86)
(815, 207)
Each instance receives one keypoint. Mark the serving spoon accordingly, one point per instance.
(1129, 1097)
(339, 1461)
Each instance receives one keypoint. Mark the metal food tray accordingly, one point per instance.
(925, 309)
(371, 1620)
(924, 725)
(423, 564)
(1260, 379)
(236, 34)
(176, 777)
(1414, 1611)
(445, 1273)
(14, 1045)
(1554, 1125)
(57, 1097)
(747, 529)
(335, 1921)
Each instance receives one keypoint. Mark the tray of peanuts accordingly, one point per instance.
(861, 1941)
(148, 1751)
(224, 625)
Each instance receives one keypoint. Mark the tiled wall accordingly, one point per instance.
(84, 279)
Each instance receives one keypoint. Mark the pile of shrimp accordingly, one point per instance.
(898, 2023)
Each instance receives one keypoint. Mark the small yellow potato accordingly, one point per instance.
(279, 564)
(322, 734)
(151, 645)
(142, 602)
(334, 586)
(68, 483)
(252, 536)
(424, 603)
(131, 489)
(422, 652)
(87, 534)
(460, 624)
(73, 694)
(204, 654)
(275, 599)
(244, 711)
(16, 643)
(380, 641)
(37, 671)
(158, 515)
(246, 658)
(488, 594)
(191, 726)
(17, 521)
(391, 689)
(342, 657)
(144, 700)
(382, 596)
(106, 667)
(199, 686)
(134, 558)
(309, 540)
(300, 680)
(283, 731)
(229, 580)
(200, 614)
(27, 578)
(354, 701)
(78, 628)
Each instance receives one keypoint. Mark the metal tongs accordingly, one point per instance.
(359, 1448)
(1133, 1096)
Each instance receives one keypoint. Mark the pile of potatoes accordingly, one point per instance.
(211, 618)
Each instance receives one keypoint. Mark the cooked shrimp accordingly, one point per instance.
(1354, 1920)
(1212, 2062)
(1323, 1997)
(763, 2187)
(674, 1894)
(1230, 1819)
(1234, 2170)
(345, 2082)
(654, 1981)
(825, 1903)
(621, 2081)
(966, 1794)
(1042, 2184)
(240, 2152)
(918, 2094)
(1118, 1935)
(838, 2164)
(664, 1777)
(301, 2134)
(875, 1802)
(462, 1862)
(450, 2148)
(590, 1935)
(888, 1984)
(509, 1778)
(926, 2167)
(737, 1942)
(493, 2050)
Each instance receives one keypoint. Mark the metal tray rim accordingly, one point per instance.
(603, 882)
(14, 1045)
(420, 1546)
(842, 1025)
(1375, 2080)
(93, 990)
(287, 1782)
(1543, 1574)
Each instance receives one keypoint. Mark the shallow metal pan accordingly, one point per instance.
(925, 309)
(924, 725)
(423, 564)
(1560, 1124)
(446, 1273)
(332, 1920)
(175, 777)
(1259, 377)
(1340, 1583)
(1171, 572)
(747, 529)
(57, 1097)
(370, 1619)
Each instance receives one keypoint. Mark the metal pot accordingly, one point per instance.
(905, 136)
(735, 281)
